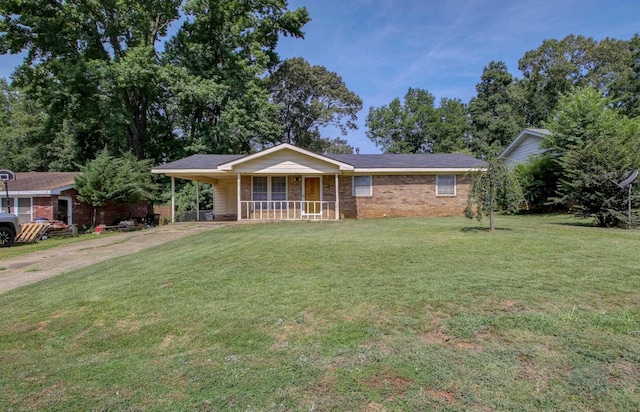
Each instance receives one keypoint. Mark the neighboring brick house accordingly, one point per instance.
(52, 196)
(289, 183)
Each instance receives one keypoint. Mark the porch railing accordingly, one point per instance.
(287, 210)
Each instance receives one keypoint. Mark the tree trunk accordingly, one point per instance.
(492, 225)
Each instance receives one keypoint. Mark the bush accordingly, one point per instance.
(538, 180)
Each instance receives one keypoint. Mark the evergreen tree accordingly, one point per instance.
(108, 179)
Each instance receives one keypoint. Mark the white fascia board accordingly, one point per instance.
(170, 172)
(401, 170)
(229, 165)
(29, 193)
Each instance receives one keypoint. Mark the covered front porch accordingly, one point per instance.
(280, 183)
(256, 197)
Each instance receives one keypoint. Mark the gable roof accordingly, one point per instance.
(41, 183)
(536, 133)
(285, 147)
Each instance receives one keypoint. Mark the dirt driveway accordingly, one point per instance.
(30, 268)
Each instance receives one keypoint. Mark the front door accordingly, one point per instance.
(312, 195)
(64, 210)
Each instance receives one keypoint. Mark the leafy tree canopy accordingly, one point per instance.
(494, 113)
(594, 145)
(309, 98)
(407, 127)
(557, 66)
(100, 74)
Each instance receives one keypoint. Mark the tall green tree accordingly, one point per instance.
(407, 127)
(452, 130)
(310, 98)
(494, 189)
(625, 90)
(24, 142)
(101, 74)
(594, 145)
(494, 113)
(557, 66)
(580, 118)
(108, 179)
(225, 49)
(88, 44)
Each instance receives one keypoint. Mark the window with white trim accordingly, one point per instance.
(445, 185)
(20, 206)
(362, 186)
(278, 188)
(260, 188)
(269, 188)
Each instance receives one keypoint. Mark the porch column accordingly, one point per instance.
(239, 204)
(337, 199)
(197, 200)
(173, 199)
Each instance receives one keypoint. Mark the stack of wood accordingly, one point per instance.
(58, 229)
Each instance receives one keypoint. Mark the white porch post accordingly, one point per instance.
(197, 200)
(173, 199)
(337, 199)
(239, 204)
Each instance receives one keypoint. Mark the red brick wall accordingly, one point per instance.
(42, 207)
(105, 215)
(403, 195)
(392, 195)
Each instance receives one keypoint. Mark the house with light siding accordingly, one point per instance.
(524, 146)
(285, 182)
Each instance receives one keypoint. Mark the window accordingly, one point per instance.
(362, 185)
(267, 188)
(23, 210)
(446, 185)
(260, 189)
(278, 188)
(20, 206)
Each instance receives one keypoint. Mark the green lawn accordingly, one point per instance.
(370, 315)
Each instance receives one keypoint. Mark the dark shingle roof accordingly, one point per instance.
(43, 181)
(199, 161)
(359, 161)
(410, 161)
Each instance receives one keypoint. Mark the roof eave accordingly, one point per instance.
(419, 169)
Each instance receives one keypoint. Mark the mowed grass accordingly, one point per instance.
(370, 315)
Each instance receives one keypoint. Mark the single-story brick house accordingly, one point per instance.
(285, 182)
(52, 196)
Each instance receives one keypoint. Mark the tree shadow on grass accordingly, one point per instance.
(483, 229)
(580, 224)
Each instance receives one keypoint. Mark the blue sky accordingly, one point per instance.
(381, 48)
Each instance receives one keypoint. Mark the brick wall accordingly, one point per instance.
(106, 215)
(392, 195)
(42, 207)
(404, 195)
